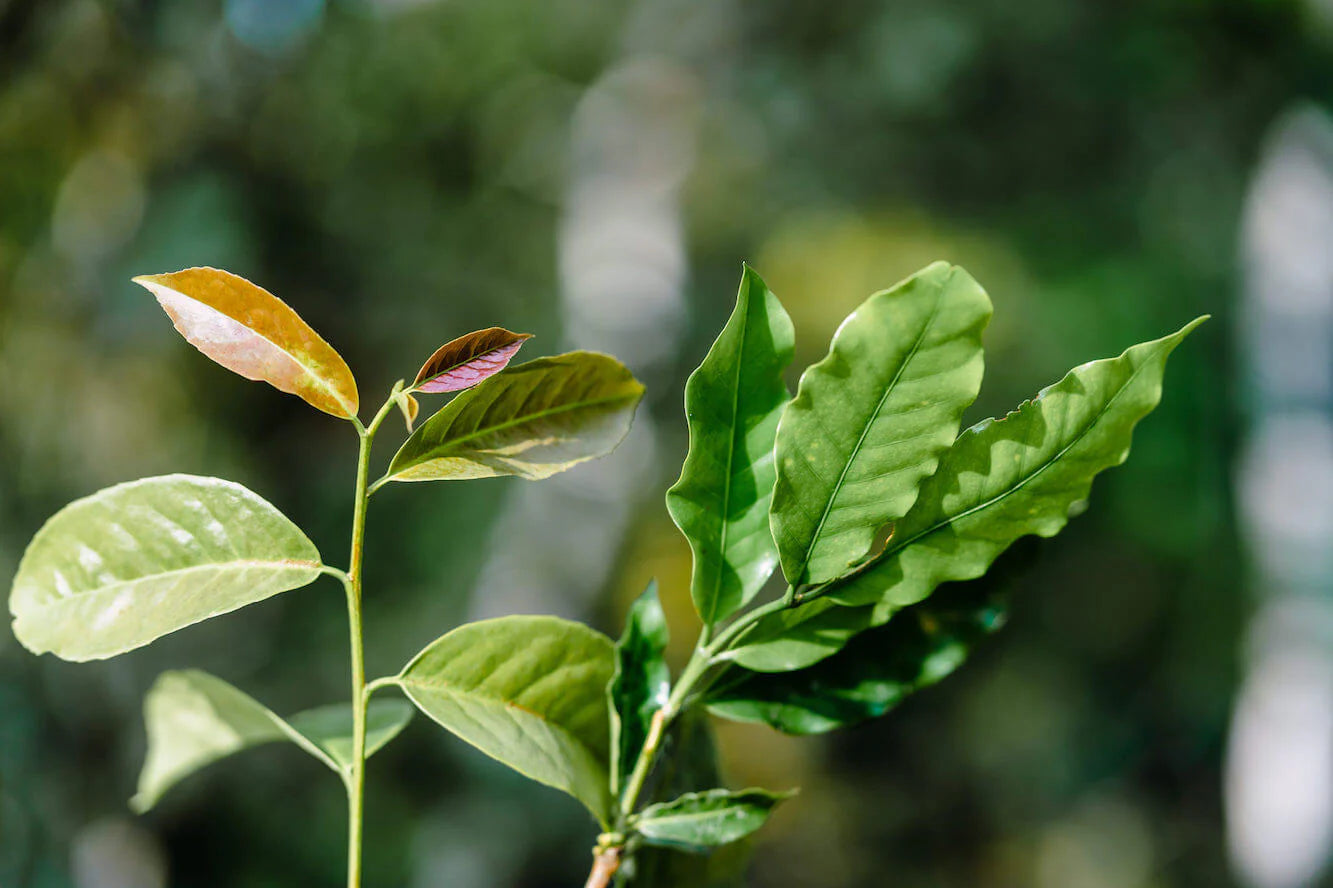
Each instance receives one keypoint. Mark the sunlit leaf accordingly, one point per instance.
(194, 719)
(704, 820)
(532, 420)
(641, 683)
(129, 564)
(250, 331)
(920, 645)
(871, 420)
(467, 360)
(732, 403)
(799, 636)
(528, 691)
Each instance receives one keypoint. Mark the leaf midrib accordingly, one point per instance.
(284, 564)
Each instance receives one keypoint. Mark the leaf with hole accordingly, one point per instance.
(116, 570)
(469, 359)
(698, 821)
(641, 683)
(732, 403)
(871, 420)
(250, 331)
(532, 420)
(529, 692)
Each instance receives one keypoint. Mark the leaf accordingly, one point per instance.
(1020, 475)
(640, 685)
(410, 407)
(529, 692)
(533, 421)
(875, 671)
(703, 820)
(116, 570)
(194, 719)
(732, 402)
(467, 360)
(871, 420)
(800, 636)
(250, 331)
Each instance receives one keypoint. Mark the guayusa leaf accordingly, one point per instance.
(800, 636)
(732, 403)
(529, 692)
(116, 570)
(877, 669)
(194, 719)
(250, 331)
(698, 821)
(533, 421)
(640, 685)
(871, 420)
(467, 360)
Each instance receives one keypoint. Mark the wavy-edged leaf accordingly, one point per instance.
(116, 570)
(194, 719)
(463, 362)
(876, 670)
(250, 331)
(698, 821)
(532, 420)
(800, 636)
(732, 402)
(529, 692)
(1019, 475)
(871, 420)
(641, 683)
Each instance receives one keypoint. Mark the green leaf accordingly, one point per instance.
(1020, 475)
(800, 636)
(528, 691)
(641, 683)
(250, 331)
(703, 820)
(732, 402)
(920, 645)
(194, 719)
(116, 570)
(467, 360)
(533, 421)
(871, 420)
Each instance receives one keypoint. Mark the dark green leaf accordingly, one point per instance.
(114, 571)
(871, 420)
(533, 421)
(732, 402)
(641, 684)
(799, 636)
(703, 820)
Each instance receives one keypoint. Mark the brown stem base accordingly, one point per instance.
(605, 865)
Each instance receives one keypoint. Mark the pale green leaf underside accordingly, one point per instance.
(116, 570)
(194, 719)
(732, 403)
(871, 420)
(533, 421)
(703, 820)
(529, 691)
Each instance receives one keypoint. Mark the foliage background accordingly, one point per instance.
(593, 171)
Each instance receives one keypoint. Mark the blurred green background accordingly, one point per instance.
(594, 171)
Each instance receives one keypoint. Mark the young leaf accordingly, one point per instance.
(641, 683)
(116, 570)
(194, 719)
(801, 636)
(732, 402)
(1020, 475)
(533, 421)
(698, 821)
(919, 646)
(250, 331)
(528, 691)
(467, 360)
(871, 420)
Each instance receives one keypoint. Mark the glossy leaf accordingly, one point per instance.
(467, 360)
(114, 571)
(640, 685)
(871, 420)
(528, 691)
(703, 820)
(533, 421)
(875, 671)
(1011, 477)
(732, 402)
(194, 719)
(800, 636)
(250, 331)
